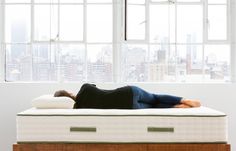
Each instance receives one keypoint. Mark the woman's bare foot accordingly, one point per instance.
(191, 103)
(182, 106)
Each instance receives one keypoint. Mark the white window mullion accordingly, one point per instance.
(50, 23)
(205, 22)
(147, 32)
(169, 39)
(32, 21)
(203, 63)
(169, 21)
(58, 21)
(2, 62)
(116, 42)
(233, 39)
(32, 37)
(228, 21)
(58, 48)
(147, 22)
(32, 66)
(176, 38)
(85, 40)
(84, 21)
(2, 45)
(204, 36)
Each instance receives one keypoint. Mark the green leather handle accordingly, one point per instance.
(83, 129)
(160, 129)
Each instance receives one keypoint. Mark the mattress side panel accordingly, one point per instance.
(121, 129)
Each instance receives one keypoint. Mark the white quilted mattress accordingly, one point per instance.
(194, 125)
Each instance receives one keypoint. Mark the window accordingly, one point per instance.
(182, 41)
(52, 40)
(136, 19)
(111, 41)
(217, 20)
(2, 54)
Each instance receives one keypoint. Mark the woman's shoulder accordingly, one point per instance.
(87, 85)
(84, 90)
(124, 88)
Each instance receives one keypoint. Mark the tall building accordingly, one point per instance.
(101, 69)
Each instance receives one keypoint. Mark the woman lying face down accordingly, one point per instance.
(127, 97)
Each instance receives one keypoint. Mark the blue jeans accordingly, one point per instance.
(143, 99)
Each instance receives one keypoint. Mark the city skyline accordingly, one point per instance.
(86, 62)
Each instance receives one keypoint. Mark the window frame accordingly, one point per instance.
(169, 2)
(118, 37)
(126, 25)
(50, 42)
(59, 4)
(206, 24)
(2, 48)
(205, 41)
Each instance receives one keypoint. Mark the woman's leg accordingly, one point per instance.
(144, 99)
(141, 98)
(177, 102)
(167, 99)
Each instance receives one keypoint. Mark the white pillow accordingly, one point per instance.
(51, 102)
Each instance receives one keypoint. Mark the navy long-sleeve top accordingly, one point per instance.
(90, 96)
(127, 97)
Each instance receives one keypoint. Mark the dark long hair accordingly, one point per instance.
(61, 93)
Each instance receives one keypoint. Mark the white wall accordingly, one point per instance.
(15, 97)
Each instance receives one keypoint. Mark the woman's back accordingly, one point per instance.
(90, 96)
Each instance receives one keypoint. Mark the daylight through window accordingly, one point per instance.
(77, 40)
